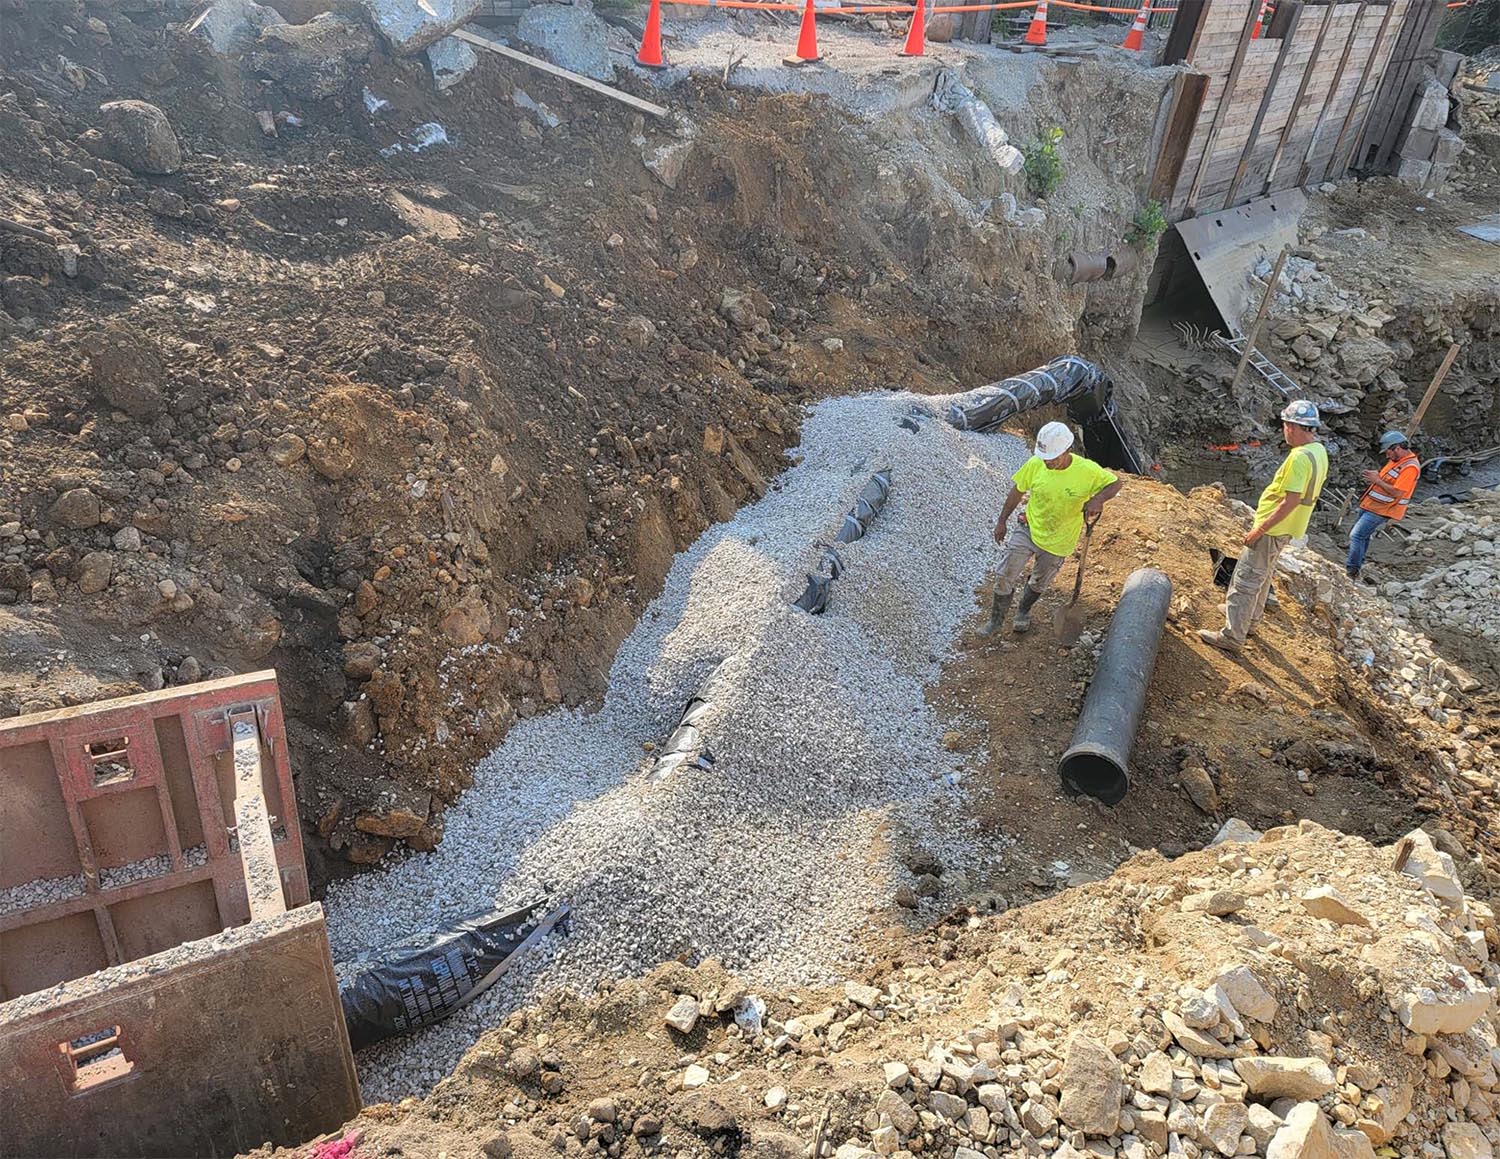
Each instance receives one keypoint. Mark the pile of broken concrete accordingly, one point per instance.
(314, 60)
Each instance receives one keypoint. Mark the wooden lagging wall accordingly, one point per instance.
(1220, 39)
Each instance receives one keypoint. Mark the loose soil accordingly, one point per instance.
(1289, 702)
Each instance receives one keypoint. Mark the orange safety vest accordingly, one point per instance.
(1390, 496)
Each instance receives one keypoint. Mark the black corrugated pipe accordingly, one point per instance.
(986, 407)
(1098, 760)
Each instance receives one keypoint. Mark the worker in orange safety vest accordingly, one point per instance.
(1386, 497)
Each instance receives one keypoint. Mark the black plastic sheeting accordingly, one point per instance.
(685, 745)
(416, 986)
(870, 503)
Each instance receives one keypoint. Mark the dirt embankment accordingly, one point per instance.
(421, 430)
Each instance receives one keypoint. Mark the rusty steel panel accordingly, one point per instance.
(117, 832)
(1226, 246)
(215, 1047)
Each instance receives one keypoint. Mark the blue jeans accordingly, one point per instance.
(1365, 526)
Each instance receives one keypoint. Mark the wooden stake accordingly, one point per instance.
(1437, 381)
(1260, 318)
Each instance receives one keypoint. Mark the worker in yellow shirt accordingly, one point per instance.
(1285, 508)
(1060, 489)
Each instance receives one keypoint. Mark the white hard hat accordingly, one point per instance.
(1302, 413)
(1053, 439)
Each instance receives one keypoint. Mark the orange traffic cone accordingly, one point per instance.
(1037, 33)
(916, 35)
(1136, 37)
(1260, 19)
(650, 53)
(807, 37)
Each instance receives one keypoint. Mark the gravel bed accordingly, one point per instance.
(827, 752)
(47, 890)
(150, 867)
(42, 891)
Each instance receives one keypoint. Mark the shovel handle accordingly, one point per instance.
(1083, 557)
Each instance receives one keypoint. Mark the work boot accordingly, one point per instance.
(1220, 640)
(1352, 573)
(999, 605)
(1023, 612)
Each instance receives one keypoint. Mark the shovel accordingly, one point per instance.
(1070, 623)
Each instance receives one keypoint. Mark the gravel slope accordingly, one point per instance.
(827, 753)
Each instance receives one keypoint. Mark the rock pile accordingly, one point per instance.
(1335, 1002)
(1363, 315)
(1457, 549)
(1430, 695)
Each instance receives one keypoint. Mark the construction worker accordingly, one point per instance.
(1061, 490)
(1386, 498)
(1282, 515)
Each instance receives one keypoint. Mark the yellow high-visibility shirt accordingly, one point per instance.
(1055, 499)
(1304, 471)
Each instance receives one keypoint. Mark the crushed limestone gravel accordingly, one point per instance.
(829, 760)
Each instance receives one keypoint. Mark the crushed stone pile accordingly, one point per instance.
(827, 756)
(1299, 994)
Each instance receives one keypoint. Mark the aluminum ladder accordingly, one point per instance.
(1267, 369)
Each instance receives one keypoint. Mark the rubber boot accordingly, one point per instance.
(999, 605)
(1023, 611)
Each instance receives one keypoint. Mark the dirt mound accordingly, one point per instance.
(1246, 999)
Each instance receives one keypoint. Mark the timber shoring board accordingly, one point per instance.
(1330, 101)
(1352, 103)
(1403, 77)
(1309, 67)
(1337, 161)
(1253, 135)
(1218, 38)
(1187, 106)
(1225, 102)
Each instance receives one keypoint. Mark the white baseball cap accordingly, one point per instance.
(1052, 440)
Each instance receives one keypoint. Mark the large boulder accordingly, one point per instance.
(1427, 992)
(1304, 1135)
(412, 25)
(138, 135)
(1090, 1083)
(1274, 1077)
(569, 36)
(450, 60)
(313, 61)
(230, 26)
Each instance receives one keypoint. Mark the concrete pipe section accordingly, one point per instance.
(1098, 760)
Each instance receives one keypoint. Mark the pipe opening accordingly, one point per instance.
(1097, 776)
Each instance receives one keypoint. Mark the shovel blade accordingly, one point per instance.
(1070, 625)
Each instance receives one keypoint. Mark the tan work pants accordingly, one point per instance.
(1251, 584)
(1017, 551)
